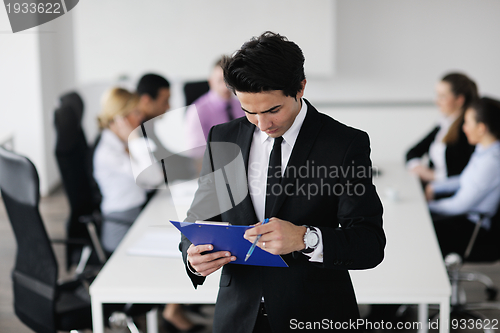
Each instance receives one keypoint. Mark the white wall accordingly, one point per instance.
(392, 130)
(36, 67)
(356, 50)
(21, 102)
(397, 50)
(57, 76)
(182, 39)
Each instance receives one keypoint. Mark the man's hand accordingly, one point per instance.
(278, 236)
(206, 264)
(426, 174)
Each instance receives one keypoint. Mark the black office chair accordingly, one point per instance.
(480, 249)
(40, 301)
(193, 90)
(74, 158)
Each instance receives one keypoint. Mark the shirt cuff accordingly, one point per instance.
(191, 269)
(317, 254)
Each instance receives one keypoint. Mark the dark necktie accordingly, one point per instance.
(273, 176)
(229, 111)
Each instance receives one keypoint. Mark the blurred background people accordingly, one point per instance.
(446, 145)
(476, 190)
(120, 155)
(218, 105)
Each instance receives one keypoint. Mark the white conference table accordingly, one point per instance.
(412, 272)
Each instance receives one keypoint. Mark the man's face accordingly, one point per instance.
(156, 107)
(271, 111)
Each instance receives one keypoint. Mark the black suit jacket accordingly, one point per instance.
(351, 227)
(457, 155)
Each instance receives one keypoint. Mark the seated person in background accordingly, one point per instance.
(117, 158)
(477, 190)
(446, 145)
(154, 101)
(154, 95)
(217, 106)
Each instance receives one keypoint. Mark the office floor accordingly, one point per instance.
(54, 210)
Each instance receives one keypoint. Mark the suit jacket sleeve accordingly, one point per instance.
(201, 207)
(359, 241)
(421, 148)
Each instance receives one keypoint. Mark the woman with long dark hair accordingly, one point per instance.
(446, 145)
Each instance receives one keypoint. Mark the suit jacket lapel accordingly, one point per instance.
(244, 140)
(246, 211)
(303, 145)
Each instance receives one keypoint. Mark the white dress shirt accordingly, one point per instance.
(115, 171)
(437, 149)
(258, 163)
(477, 189)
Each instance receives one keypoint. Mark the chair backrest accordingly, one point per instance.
(193, 90)
(74, 155)
(74, 158)
(35, 272)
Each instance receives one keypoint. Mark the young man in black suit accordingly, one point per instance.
(309, 174)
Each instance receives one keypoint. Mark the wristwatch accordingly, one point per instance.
(311, 239)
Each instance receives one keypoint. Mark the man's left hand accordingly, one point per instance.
(278, 236)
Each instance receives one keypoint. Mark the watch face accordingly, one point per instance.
(312, 239)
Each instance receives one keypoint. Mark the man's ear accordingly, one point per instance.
(483, 128)
(144, 99)
(301, 92)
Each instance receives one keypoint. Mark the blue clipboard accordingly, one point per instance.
(228, 238)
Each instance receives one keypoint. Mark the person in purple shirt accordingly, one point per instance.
(217, 106)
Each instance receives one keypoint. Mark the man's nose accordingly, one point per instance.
(264, 122)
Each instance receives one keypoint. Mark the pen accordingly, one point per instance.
(250, 251)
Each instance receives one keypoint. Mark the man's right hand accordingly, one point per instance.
(206, 264)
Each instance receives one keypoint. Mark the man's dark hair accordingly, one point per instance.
(150, 84)
(264, 63)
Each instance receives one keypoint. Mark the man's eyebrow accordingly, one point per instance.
(269, 110)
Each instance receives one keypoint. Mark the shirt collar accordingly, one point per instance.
(480, 148)
(290, 136)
